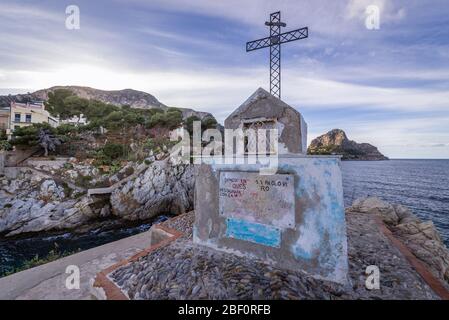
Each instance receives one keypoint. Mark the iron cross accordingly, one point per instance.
(274, 41)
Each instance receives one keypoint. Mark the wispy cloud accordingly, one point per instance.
(191, 54)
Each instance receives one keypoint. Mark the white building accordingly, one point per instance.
(80, 120)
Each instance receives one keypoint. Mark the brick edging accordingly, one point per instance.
(112, 291)
(433, 282)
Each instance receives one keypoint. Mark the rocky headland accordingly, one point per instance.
(336, 142)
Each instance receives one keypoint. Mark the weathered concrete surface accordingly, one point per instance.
(316, 243)
(48, 281)
(264, 107)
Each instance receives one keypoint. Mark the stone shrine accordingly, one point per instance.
(293, 219)
(263, 110)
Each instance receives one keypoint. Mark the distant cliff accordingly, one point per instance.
(336, 142)
(133, 98)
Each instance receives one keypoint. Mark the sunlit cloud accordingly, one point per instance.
(342, 76)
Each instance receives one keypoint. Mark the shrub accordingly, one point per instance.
(129, 171)
(5, 145)
(65, 129)
(68, 166)
(83, 181)
(114, 150)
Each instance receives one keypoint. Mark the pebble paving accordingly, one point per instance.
(183, 270)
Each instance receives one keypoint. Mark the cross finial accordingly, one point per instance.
(274, 41)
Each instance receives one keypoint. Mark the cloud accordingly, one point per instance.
(191, 54)
(28, 14)
(356, 9)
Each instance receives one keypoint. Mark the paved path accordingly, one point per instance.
(48, 281)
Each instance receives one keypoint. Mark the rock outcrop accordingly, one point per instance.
(336, 142)
(165, 187)
(421, 237)
(32, 201)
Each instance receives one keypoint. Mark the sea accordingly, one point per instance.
(422, 185)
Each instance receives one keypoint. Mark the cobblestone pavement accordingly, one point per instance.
(183, 270)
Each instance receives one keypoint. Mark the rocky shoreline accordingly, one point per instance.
(183, 270)
(46, 199)
(42, 200)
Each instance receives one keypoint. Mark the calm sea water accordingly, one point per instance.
(422, 185)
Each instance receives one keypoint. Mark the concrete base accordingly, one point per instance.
(316, 242)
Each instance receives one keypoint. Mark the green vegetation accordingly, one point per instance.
(29, 136)
(53, 255)
(83, 181)
(117, 130)
(65, 104)
(5, 145)
(110, 153)
(206, 123)
(332, 149)
(324, 150)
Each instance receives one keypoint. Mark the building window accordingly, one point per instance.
(28, 118)
(17, 117)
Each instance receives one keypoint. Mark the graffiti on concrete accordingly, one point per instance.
(268, 200)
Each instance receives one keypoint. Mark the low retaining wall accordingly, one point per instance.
(104, 289)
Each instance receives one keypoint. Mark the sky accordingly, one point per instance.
(387, 86)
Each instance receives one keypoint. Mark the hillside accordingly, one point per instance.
(133, 98)
(336, 142)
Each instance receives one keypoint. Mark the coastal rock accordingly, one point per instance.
(51, 191)
(32, 201)
(336, 142)
(373, 205)
(31, 215)
(165, 187)
(421, 237)
(38, 204)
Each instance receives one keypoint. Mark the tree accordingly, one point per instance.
(74, 105)
(55, 103)
(208, 123)
(114, 150)
(189, 123)
(48, 141)
(157, 119)
(173, 118)
(29, 135)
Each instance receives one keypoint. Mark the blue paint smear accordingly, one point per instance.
(253, 232)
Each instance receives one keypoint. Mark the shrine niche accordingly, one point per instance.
(264, 111)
